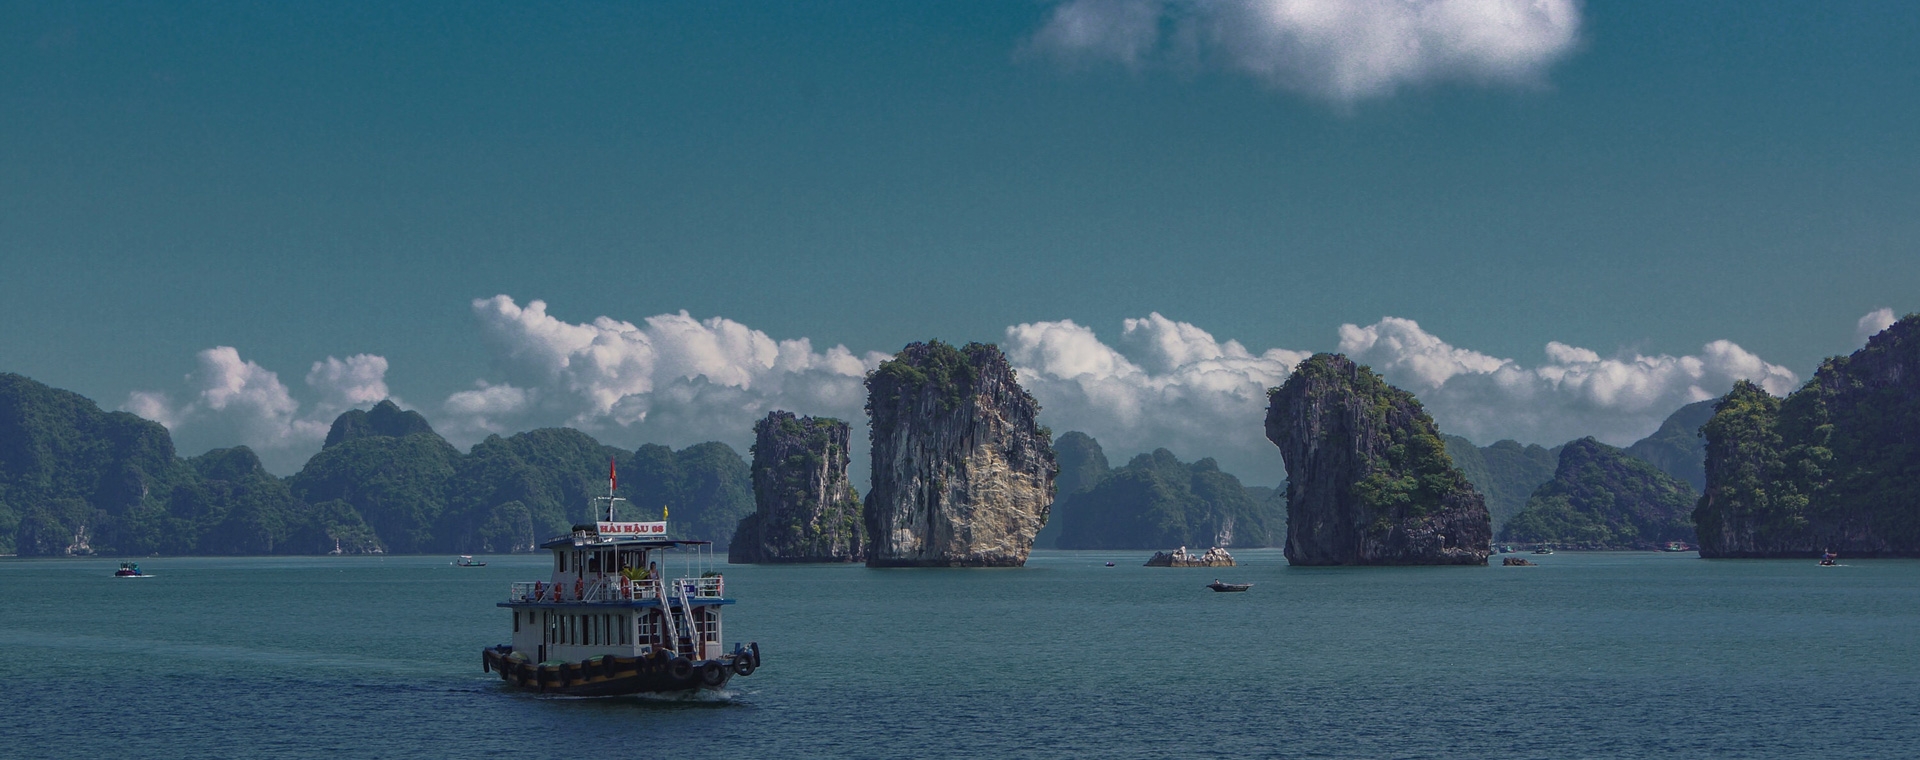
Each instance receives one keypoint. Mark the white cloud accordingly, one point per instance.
(669, 379)
(1345, 50)
(1576, 392)
(1873, 322)
(1175, 386)
(359, 380)
(236, 401)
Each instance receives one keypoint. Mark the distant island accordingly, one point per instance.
(76, 480)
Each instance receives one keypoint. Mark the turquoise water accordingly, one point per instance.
(1588, 655)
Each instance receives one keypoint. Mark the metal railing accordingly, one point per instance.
(702, 588)
(603, 590)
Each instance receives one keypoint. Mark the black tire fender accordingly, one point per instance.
(680, 668)
(743, 665)
(713, 674)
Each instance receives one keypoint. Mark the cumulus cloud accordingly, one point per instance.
(1574, 392)
(1873, 322)
(1167, 384)
(236, 401)
(669, 379)
(1345, 50)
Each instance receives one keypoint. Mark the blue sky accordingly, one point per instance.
(1637, 181)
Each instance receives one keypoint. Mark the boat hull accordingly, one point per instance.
(615, 676)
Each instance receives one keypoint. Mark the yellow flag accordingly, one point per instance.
(663, 511)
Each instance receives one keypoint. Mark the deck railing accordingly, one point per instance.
(604, 590)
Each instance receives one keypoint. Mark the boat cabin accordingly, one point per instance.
(621, 589)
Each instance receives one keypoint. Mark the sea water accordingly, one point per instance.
(1586, 655)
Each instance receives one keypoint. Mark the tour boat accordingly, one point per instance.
(1217, 586)
(466, 560)
(130, 570)
(626, 610)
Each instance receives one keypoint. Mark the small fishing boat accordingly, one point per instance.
(130, 570)
(466, 560)
(1543, 550)
(1829, 559)
(1676, 546)
(1217, 586)
(1109, 563)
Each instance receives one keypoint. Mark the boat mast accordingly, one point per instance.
(613, 482)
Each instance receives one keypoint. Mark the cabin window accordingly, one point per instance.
(561, 557)
(516, 621)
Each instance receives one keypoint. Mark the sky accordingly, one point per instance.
(659, 221)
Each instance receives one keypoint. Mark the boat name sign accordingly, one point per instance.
(633, 528)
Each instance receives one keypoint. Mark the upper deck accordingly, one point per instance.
(623, 564)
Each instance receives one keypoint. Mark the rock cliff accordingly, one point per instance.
(962, 472)
(1602, 498)
(805, 510)
(1368, 478)
(1835, 465)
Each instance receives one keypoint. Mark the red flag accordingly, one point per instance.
(613, 476)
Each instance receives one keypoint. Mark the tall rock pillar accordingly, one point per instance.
(962, 472)
(1368, 478)
(805, 510)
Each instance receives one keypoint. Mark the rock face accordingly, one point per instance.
(1835, 465)
(1601, 498)
(806, 511)
(962, 472)
(1215, 557)
(1368, 478)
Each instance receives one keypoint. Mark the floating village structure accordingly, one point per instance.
(626, 610)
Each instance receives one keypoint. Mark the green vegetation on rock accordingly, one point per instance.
(1368, 479)
(1601, 498)
(1835, 465)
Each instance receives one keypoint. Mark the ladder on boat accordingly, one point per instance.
(666, 609)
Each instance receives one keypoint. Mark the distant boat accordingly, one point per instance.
(1676, 546)
(1109, 564)
(1543, 550)
(1218, 586)
(130, 570)
(466, 560)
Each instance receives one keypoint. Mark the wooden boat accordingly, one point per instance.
(1218, 586)
(130, 570)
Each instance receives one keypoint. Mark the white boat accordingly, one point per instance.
(466, 560)
(625, 610)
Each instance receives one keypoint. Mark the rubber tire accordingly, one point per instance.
(680, 668)
(743, 666)
(713, 675)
